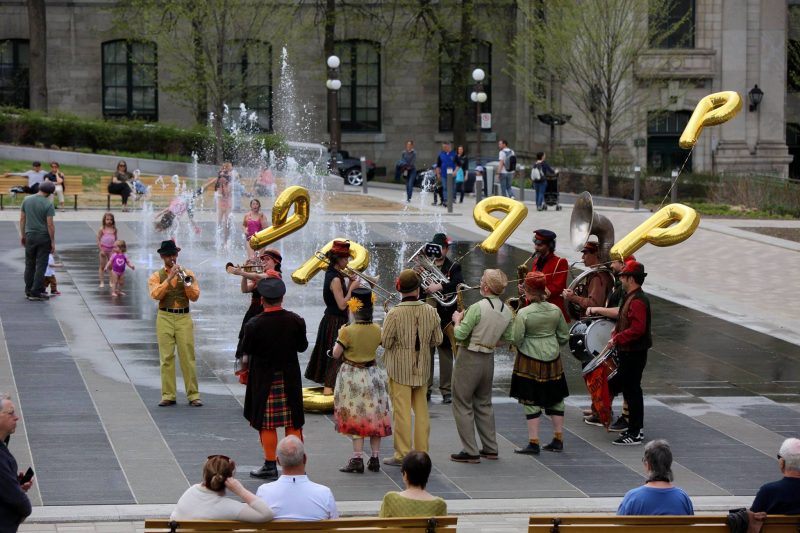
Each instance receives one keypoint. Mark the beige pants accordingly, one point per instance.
(473, 374)
(176, 332)
(406, 398)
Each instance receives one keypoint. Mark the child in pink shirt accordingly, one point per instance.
(117, 264)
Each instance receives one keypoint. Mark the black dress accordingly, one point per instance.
(321, 368)
(272, 340)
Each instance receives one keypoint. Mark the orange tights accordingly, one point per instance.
(269, 440)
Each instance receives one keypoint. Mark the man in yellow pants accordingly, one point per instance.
(174, 287)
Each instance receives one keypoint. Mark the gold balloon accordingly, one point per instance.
(282, 223)
(499, 229)
(710, 110)
(670, 225)
(309, 269)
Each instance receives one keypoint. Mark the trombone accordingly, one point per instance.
(388, 296)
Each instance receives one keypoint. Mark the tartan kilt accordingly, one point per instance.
(276, 410)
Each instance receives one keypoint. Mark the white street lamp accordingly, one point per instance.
(333, 62)
(478, 74)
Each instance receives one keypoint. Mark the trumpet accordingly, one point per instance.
(373, 281)
(258, 269)
(184, 277)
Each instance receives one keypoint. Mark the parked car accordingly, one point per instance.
(349, 168)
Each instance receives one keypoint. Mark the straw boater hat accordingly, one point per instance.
(496, 280)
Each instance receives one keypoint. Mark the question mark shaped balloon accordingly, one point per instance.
(500, 229)
(710, 110)
(282, 223)
(670, 225)
(309, 269)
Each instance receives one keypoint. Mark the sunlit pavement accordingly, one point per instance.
(721, 383)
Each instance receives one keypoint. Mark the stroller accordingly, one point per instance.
(551, 192)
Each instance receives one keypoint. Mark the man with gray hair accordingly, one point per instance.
(658, 496)
(293, 496)
(782, 496)
(14, 503)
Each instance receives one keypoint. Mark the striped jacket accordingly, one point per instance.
(405, 364)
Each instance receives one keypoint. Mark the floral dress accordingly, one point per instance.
(360, 398)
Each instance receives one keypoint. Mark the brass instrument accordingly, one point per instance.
(429, 275)
(257, 268)
(373, 281)
(583, 223)
(184, 277)
(450, 329)
(522, 270)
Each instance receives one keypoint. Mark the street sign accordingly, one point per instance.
(486, 121)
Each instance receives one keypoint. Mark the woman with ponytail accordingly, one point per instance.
(207, 501)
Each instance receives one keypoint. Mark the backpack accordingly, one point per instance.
(536, 173)
(510, 160)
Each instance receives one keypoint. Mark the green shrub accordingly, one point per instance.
(123, 137)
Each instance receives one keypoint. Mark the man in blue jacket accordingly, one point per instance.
(446, 162)
(14, 503)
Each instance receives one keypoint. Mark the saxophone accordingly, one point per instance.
(450, 329)
(522, 270)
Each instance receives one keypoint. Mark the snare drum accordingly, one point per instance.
(608, 359)
(588, 337)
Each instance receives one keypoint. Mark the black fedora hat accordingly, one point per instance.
(168, 248)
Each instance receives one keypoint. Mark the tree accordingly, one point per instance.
(37, 31)
(210, 46)
(588, 52)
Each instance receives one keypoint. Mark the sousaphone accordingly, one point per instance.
(584, 223)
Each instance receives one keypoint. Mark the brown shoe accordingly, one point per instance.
(166, 403)
(196, 403)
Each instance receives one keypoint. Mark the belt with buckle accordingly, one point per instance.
(181, 311)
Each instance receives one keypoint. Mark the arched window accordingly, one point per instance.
(248, 70)
(360, 95)
(14, 74)
(481, 58)
(130, 80)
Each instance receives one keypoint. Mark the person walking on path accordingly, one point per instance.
(506, 168)
(408, 164)
(174, 287)
(38, 236)
(445, 164)
(106, 237)
(539, 174)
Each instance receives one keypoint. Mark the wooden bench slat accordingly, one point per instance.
(354, 525)
(596, 523)
(73, 186)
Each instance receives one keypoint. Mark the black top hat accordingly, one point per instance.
(271, 288)
(168, 248)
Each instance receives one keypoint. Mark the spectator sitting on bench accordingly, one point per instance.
(35, 178)
(658, 496)
(415, 500)
(119, 183)
(207, 501)
(782, 496)
(293, 496)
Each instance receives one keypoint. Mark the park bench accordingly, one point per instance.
(73, 186)
(436, 524)
(597, 523)
(157, 190)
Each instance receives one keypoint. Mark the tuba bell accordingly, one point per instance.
(584, 223)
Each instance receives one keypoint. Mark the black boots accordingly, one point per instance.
(269, 471)
(354, 466)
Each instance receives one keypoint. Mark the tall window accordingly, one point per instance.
(793, 50)
(675, 29)
(14, 83)
(481, 58)
(249, 73)
(663, 132)
(130, 87)
(360, 95)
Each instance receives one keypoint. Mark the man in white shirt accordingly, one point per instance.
(505, 169)
(293, 496)
(35, 178)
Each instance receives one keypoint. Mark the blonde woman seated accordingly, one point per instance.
(207, 501)
(415, 500)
